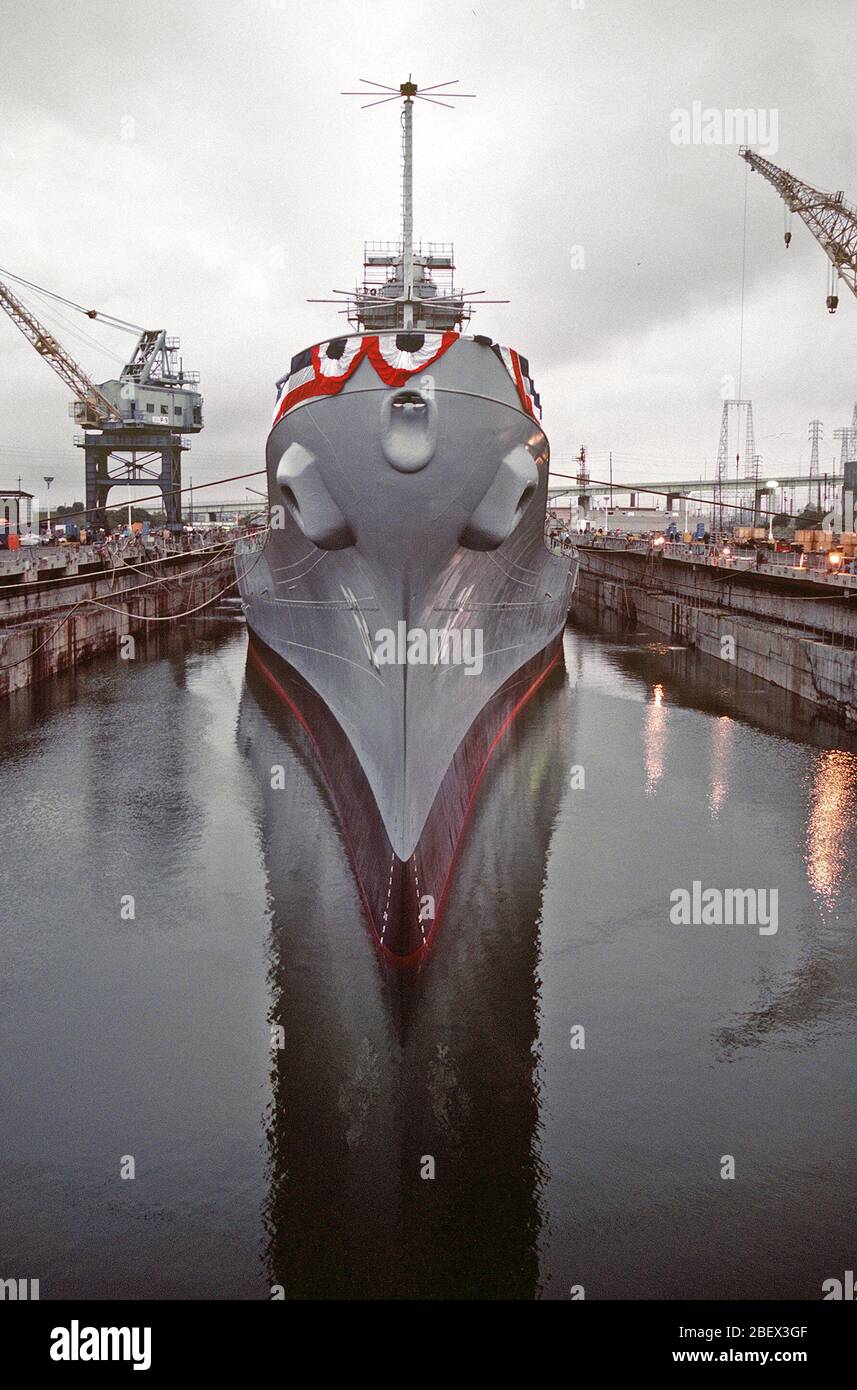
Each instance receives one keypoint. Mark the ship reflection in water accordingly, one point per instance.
(634, 770)
(403, 1128)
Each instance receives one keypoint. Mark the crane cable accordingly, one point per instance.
(743, 280)
(89, 313)
(70, 329)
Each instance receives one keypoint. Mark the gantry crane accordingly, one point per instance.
(94, 407)
(832, 221)
(133, 425)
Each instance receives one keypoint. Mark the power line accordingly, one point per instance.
(174, 492)
(159, 560)
(707, 502)
(140, 617)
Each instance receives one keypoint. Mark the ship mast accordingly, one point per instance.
(415, 289)
(409, 91)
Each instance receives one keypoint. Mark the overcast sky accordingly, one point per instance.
(193, 166)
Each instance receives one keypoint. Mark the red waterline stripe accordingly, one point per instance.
(286, 698)
(419, 953)
(513, 713)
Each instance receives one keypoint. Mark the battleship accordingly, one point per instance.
(402, 600)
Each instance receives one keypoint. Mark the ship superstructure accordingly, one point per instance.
(404, 603)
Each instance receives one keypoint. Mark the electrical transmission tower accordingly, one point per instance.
(751, 465)
(848, 468)
(816, 432)
(751, 458)
(832, 221)
(848, 435)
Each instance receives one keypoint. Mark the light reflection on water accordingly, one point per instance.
(722, 731)
(300, 1165)
(830, 827)
(655, 739)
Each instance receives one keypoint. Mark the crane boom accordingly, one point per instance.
(95, 408)
(832, 221)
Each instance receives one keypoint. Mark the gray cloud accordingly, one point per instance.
(195, 167)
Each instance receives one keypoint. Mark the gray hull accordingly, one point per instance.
(405, 511)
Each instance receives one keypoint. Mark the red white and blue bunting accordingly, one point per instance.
(519, 370)
(324, 369)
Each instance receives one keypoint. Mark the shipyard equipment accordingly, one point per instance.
(832, 221)
(134, 425)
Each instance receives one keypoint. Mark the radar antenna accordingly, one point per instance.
(408, 297)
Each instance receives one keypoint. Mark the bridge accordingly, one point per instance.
(689, 487)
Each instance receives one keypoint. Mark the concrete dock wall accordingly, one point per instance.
(59, 628)
(706, 585)
(727, 627)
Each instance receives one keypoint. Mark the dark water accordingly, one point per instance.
(300, 1165)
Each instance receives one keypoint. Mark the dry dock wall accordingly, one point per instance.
(768, 636)
(51, 630)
